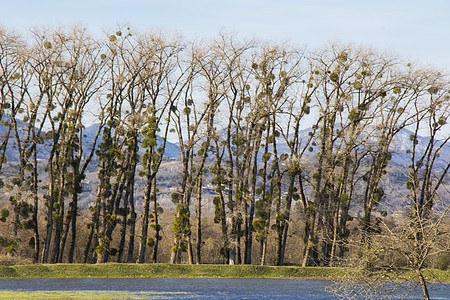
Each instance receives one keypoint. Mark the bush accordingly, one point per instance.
(9, 260)
(442, 261)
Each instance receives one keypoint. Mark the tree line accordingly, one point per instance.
(238, 110)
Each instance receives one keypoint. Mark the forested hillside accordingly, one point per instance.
(256, 152)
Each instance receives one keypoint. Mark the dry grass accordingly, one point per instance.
(8, 260)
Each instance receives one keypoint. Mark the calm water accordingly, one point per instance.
(205, 288)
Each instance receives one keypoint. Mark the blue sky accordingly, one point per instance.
(413, 30)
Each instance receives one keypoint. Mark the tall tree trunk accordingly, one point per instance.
(48, 237)
(123, 230)
(146, 212)
(335, 234)
(264, 197)
(156, 225)
(423, 284)
(95, 219)
(132, 211)
(283, 234)
(132, 227)
(59, 223)
(74, 217)
(35, 208)
(199, 217)
(65, 233)
(251, 213)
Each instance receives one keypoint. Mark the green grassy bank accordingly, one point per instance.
(115, 270)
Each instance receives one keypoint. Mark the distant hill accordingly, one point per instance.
(11, 150)
(169, 175)
(402, 143)
(399, 146)
(89, 133)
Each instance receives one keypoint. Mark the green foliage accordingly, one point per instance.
(28, 224)
(176, 197)
(186, 111)
(32, 242)
(9, 244)
(357, 85)
(311, 209)
(238, 140)
(25, 209)
(4, 213)
(266, 156)
(156, 227)
(16, 181)
(442, 261)
(259, 224)
(366, 73)
(56, 218)
(47, 45)
(355, 115)
(150, 242)
(397, 90)
(378, 195)
(409, 185)
(306, 109)
(99, 250)
(334, 77)
(159, 210)
(180, 225)
(433, 90)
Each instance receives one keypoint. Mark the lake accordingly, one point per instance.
(182, 288)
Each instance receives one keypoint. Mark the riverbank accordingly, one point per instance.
(115, 270)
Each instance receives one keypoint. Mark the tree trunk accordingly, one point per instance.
(48, 238)
(157, 226)
(95, 217)
(310, 254)
(132, 233)
(123, 230)
(74, 223)
(65, 233)
(199, 217)
(35, 208)
(146, 212)
(132, 218)
(285, 224)
(335, 233)
(423, 284)
(59, 223)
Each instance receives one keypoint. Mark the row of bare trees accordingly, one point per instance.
(239, 111)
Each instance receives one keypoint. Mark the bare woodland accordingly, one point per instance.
(289, 143)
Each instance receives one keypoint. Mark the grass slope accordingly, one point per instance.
(116, 270)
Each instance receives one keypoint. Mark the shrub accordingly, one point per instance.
(442, 261)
